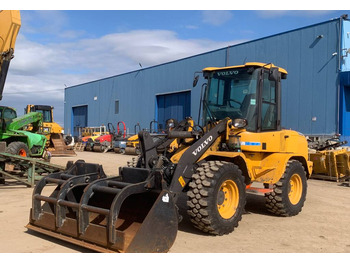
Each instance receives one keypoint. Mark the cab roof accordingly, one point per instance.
(254, 64)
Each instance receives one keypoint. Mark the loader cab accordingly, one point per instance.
(44, 109)
(7, 114)
(250, 91)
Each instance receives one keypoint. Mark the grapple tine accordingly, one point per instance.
(159, 229)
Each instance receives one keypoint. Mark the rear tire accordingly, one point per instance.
(18, 148)
(217, 197)
(289, 193)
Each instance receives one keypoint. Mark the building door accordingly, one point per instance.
(79, 119)
(175, 105)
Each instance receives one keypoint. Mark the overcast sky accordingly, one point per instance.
(56, 49)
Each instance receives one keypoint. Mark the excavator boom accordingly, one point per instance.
(10, 21)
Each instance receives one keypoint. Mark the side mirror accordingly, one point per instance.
(195, 80)
(274, 74)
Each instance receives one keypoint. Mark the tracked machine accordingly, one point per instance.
(240, 142)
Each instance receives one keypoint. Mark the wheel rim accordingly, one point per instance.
(22, 152)
(228, 199)
(295, 189)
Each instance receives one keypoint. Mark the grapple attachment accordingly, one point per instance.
(126, 213)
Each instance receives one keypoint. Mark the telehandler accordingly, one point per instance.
(240, 142)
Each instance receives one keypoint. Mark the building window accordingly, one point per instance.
(116, 108)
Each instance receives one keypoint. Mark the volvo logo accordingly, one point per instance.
(228, 73)
(203, 145)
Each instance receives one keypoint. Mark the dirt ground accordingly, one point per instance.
(323, 226)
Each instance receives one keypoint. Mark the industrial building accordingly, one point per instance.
(315, 95)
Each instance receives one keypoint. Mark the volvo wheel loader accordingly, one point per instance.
(240, 142)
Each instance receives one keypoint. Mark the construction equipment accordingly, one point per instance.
(106, 142)
(10, 21)
(132, 146)
(241, 142)
(89, 134)
(121, 138)
(93, 132)
(330, 160)
(28, 171)
(19, 141)
(55, 142)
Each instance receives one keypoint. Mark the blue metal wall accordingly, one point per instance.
(175, 105)
(309, 96)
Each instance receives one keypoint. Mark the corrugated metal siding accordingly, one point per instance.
(174, 105)
(309, 92)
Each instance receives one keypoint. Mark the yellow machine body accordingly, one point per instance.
(265, 155)
(240, 142)
(10, 21)
(331, 164)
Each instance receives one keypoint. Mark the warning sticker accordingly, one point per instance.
(182, 181)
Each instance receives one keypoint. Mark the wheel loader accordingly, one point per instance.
(55, 144)
(241, 141)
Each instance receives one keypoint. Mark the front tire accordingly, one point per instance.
(289, 193)
(217, 197)
(18, 148)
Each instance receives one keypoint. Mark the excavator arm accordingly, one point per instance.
(10, 21)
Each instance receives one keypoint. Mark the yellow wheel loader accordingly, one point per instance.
(241, 142)
(55, 144)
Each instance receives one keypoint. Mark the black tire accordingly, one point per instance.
(134, 162)
(289, 193)
(17, 148)
(206, 196)
(68, 140)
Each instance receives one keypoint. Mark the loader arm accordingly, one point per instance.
(184, 168)
(10, 21)
(33, 118)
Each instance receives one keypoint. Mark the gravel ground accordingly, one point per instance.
(322, 226)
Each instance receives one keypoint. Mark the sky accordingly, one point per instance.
(58, 48)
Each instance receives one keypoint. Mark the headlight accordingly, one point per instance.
(239, 123)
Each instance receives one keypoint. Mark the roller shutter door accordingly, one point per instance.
(175, 105)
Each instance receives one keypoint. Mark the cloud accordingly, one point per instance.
(39, 72)
(216, 18)
(296, 13)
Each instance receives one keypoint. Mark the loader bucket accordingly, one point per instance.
(58, 146)
(114, 214)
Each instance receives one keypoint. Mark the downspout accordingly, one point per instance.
(338, 77)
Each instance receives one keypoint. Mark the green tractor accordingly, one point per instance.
(15, 137)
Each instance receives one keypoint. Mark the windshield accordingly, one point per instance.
(46, 115)
(232, 93)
